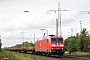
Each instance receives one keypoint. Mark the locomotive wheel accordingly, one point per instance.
(47, 54)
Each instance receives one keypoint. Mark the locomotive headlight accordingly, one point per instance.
(53, 45)
(62, 48)
(52, 48)
(61, 45)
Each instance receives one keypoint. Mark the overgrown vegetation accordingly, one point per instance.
(80, 42)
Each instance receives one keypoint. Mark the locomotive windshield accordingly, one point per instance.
(56, 40)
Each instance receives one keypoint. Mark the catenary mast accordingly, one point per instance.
(58, 21)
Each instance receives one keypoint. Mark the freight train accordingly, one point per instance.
(52, 45)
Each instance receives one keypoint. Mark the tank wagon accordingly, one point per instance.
(52, 45)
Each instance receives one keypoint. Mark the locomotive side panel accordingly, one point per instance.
(41, 45)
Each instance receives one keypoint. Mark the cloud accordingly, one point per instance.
(13, 20)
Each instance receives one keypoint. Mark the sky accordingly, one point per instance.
(17, 26)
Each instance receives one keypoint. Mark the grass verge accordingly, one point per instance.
(4, 54)
(19, 56)
(27, 57)
(79, 53)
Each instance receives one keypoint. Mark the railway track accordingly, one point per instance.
(71, 57)
(75, 57)
(64, 57)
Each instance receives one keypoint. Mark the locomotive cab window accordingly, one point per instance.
(56, 40)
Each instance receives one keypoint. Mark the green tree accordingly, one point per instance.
(83, 41)
(66, 44)
(89, 43)
(77, 41)
(18, 46)
(80, 42)
(70, 44)
(24, 44)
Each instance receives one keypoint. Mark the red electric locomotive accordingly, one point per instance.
(52, 45)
